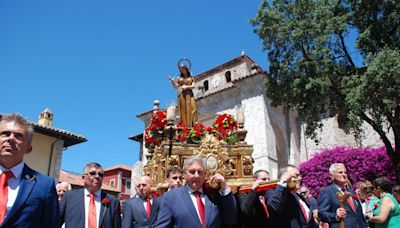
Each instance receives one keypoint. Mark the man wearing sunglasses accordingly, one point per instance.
(90, 207)
(253, 210)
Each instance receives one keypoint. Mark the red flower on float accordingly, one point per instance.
(225, 127)
(153, 132)
(191, 135)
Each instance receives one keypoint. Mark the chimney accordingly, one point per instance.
(46, 118)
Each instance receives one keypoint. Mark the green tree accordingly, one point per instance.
(317, 69)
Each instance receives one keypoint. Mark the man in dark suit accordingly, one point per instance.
(253, 210)
(27, 198)
(305, 192)
(90, 207)
(188, 206)
(329, 207)
(141, 211)
(288, 208)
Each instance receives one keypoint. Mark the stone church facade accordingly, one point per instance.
(277, 135)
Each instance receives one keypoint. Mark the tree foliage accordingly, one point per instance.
(335, 58)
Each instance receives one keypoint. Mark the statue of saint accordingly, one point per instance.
(184, 83)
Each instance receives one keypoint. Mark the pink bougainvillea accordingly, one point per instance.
(361, 163)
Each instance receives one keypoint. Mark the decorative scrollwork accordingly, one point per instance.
(173, 160)
(247, 162)
(216, 156)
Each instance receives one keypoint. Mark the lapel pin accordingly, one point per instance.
(29, 177)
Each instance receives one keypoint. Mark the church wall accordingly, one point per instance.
(295, 139)
(217, 80)
(137, 172)
(260, 133)
(331, 136)
(262, 121)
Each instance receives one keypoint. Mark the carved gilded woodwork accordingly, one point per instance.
(234, 162)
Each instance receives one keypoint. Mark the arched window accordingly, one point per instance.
(228, 76)
(205, 84)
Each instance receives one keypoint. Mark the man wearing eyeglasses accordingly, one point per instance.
(288, 208)
(253, 210)
(90, 207)
(189, 206)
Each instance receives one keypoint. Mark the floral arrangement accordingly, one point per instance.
(361, 164)
(225, 127)
(153, 132)
(191, 135)
(106, 202)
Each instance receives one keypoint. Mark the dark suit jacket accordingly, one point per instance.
(135, 213)
(36, 204)
(251, 210)
(177, 210)
(313, 203)
(73, 210)
(328, 204)
(285, 210)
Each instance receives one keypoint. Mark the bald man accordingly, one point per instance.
(62, 188)
(142, 210)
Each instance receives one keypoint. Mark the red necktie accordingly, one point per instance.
(92, 221)
(265, 208)
(349, 201)
(201, 208)
(4, 176)
(303, 210)
(148, 208)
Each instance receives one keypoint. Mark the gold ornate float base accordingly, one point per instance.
(234, 162)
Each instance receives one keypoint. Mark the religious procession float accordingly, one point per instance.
(170, 139)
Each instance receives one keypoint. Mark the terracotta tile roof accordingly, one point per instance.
(150, 111)
(69, 138)
(232, 85)
(225, 65)
(120, 166)
(76, 179)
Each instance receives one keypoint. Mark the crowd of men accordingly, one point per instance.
(30, 199)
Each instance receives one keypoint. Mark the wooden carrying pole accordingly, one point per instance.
(342, 197)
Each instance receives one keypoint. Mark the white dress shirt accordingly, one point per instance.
(145, 202)
(97, 202)
(303, 205)
(194, 200)
(13, 183)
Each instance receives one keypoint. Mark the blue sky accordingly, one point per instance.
(97, 64)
